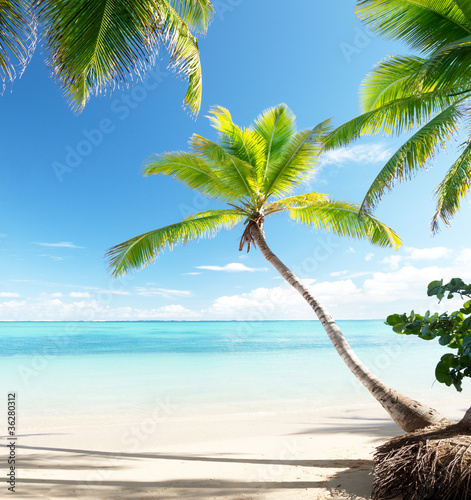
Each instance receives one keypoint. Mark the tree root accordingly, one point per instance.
(432, 463)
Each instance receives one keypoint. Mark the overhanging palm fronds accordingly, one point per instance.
(422, 24)
(453, 188)
(97, 45)
(197, 14)
(143, 249)
(413, 155)
(404, 93)
(17, 38)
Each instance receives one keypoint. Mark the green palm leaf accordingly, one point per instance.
(422, 24)
(275, 128)
(142, 250)
(234, 171)
(298, 201)
(237, 141)
(296, 162)
(453, 188)
(344, 219)
(17, 37)
(193, 171)
(413, 154)
(392, 79)
(197, 14)
(449, 67)
(96, 45)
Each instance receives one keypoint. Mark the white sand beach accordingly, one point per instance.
(266, 456)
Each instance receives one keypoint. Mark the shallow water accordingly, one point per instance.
(121, 370)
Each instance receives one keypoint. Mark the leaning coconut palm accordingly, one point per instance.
(254, 171)
(426, 95)
(95, 46)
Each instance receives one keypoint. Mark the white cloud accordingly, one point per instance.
(53, 257)
(370, 153)
(63, 244)
(9, 295)
(369, 256)
(46, 308)
(393, 261)
(190, 274)
(338, 273)
(162, 292)
(234, 267)
(80, 295)
(351, 250)
(428, 253)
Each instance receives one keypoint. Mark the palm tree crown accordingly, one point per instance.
(255, 171)
(426, 95)
(97, 45)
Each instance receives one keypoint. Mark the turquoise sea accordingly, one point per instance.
(118, 370)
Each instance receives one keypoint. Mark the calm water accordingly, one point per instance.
(122, 369)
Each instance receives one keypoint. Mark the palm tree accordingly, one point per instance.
(95, 46)
(255, 171)
(427, 95)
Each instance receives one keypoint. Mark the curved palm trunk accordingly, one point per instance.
(408, 414)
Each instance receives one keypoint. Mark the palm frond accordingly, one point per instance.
(197, 14)
(396, 117)
(184, 54)
(142, 250)
(298, 201)
(17, 38)
(414, 154)
(237, 141)
(296, 162)
(449, 67)
(98, 45)
(193, 171)
(391, 79)
(232, 170)
(275, 128)
(453, 188)
(344, 219)
(422, 24)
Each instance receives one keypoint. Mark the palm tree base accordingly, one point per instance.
(430, 463)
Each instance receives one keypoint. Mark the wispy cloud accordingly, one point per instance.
(234, 267)
(62, 244)
(190, 274)
(53, 257)
(370, 153)
(79, 295)
(162, 292)
(369, 256)
(9, 295)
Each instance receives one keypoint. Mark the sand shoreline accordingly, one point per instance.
(266, 456)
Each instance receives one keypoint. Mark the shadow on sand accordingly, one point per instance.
(102, 465)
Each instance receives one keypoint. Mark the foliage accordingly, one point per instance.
(255, 171)
(451, 329)
(425, 95)
(96, 45)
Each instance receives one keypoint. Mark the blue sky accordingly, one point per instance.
(71, 186)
